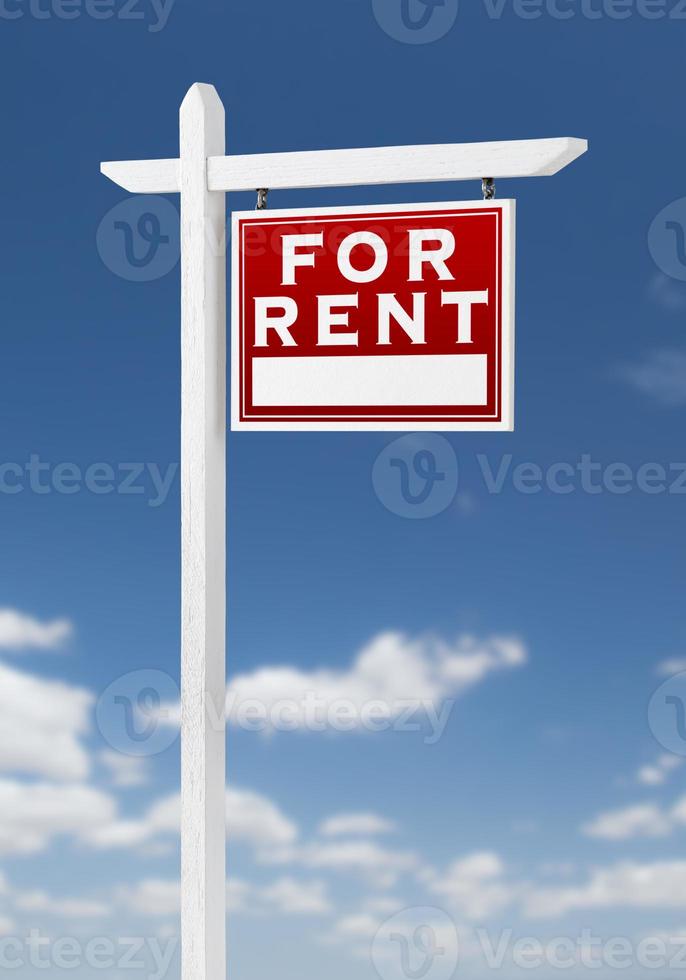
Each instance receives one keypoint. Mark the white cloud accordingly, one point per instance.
(40, 725)
(125, 770)
(292, 897)
(153, 897)
(7, 926)
(626, 885)
(657, 774)
(475, 885)
(250, 818)
(480, 865)
(21, 632)
(359, 925)
(33, 814)
(643, 820)
(64, 908)
(651, 776)
(384, 905)
(377, 865)
(661, 375)
(253, 818)
(351, 824)
(120, 834)
(667, 668)
(390, 671)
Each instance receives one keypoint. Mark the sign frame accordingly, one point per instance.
(506, 254)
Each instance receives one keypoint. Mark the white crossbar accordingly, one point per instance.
(346, 168)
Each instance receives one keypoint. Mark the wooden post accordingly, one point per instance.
(203, 546)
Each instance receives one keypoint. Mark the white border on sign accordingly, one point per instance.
(506, 423)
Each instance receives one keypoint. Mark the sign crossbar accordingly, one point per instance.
(347, 168)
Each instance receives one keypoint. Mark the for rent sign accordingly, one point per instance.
(377, 317)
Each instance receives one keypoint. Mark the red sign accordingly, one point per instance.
(389, 317)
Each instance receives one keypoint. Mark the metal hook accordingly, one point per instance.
(488, 188)
(262, 198)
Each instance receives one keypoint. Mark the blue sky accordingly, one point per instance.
(547, 806)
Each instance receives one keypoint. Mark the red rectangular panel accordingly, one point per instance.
(378, 317)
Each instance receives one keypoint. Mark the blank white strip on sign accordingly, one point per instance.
(427, 380)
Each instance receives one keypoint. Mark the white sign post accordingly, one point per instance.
(203, 540)
(202, 175)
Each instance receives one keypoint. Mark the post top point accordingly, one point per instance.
(203, 94)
